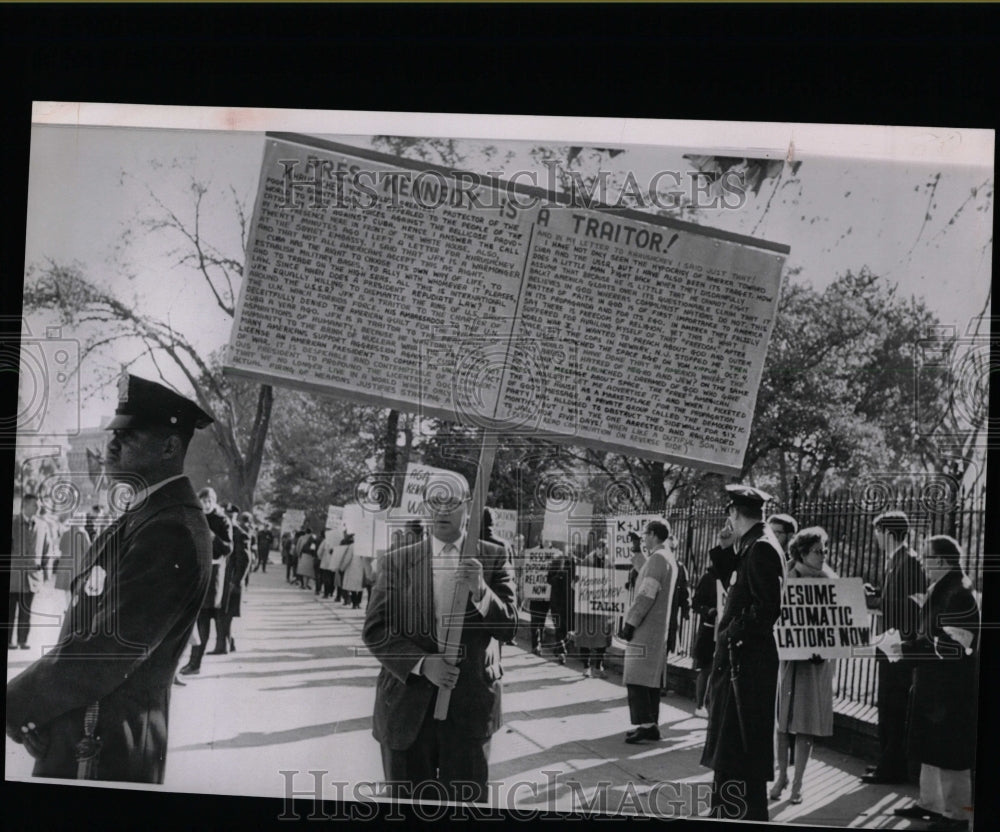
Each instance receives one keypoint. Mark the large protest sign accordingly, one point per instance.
(504, 524)
(475, 300)
(414, 482)
(335, 519)
(292, 520)
(352, 517)
(619, 546)
(600, 591)
(823, 616)
(535, 570)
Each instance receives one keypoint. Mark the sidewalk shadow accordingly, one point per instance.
(257, 739)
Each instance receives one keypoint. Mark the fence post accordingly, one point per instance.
(794, 509)
(690, 530)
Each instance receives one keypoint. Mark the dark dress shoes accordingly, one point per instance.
(643, 735)
(915, 812)
(218, 651)
(188, 670)
(177, 681)
(875, 778)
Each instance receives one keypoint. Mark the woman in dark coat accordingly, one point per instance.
(237, 568)
(560, 578)
(942, 736)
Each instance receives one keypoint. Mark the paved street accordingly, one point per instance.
(297, 696)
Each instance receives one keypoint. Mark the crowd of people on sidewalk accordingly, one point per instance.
(763, 715)
(925, 655)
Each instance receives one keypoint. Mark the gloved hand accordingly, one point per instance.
(627, 632)
(816, 659)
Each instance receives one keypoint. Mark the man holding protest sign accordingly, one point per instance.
(405, 630)
(739, 744)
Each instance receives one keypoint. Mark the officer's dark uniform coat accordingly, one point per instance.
(134, 605)
(752, 607)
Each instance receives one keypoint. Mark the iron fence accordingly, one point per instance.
(847, 518)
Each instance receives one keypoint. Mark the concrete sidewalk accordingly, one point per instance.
(297, 697)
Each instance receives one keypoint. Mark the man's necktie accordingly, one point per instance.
(444, 567)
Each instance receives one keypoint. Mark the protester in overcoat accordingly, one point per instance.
(305, 551)
(945, 651)
(108, 680)
(645, 630)
(739, 745)
(222, 548)
(353, 567)
(31, 552)
(327, 572)
(562, 571)
(237, 568)
(593, 631)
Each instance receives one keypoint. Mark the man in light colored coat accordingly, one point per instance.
(645, 630)
(30, 561)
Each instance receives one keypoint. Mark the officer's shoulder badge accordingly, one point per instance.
(94, 584)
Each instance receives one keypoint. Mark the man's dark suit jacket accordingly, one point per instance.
(134, 604)
(400, 628)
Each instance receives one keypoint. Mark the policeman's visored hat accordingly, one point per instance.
(746, 495)
(145, 404)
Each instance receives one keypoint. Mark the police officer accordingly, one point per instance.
(739, 744)
(95, 706)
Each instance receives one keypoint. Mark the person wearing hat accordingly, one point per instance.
(739, 745)
(95, 705)
(222, 548)
(784, 527)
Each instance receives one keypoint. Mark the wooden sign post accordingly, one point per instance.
(454, 621)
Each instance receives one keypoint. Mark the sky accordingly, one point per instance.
(88, 185)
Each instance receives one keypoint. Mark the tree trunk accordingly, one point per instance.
(390, 454)
(255, 448)
(657, 493)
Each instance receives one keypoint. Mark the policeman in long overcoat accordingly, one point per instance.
(740, 741)
(95, 706)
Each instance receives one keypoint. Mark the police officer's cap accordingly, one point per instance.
(746, 495)
(145, 404)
